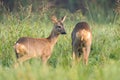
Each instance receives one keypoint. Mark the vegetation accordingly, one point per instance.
(104, 60)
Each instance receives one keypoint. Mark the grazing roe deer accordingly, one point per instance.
(81, 42)
(27, 48)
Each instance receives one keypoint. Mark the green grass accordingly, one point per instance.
(104, 60)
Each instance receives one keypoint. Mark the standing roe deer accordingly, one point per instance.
(27, 48)
(81, 41)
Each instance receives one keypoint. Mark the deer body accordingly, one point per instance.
(27, 48)
(81, 41)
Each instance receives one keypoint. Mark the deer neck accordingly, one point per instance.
(53, 37)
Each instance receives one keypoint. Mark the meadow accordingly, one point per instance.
(104, 59)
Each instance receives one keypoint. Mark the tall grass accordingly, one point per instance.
(104, 60)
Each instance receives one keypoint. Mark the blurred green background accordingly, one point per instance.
(31, 18)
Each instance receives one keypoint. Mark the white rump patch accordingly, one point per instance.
(19, 47)
(88, 36)
(83, 34)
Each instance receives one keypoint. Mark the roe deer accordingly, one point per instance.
(27, 48)
(81, 41)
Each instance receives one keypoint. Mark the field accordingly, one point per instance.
(104, 59)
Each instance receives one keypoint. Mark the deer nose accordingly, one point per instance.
(63, 32)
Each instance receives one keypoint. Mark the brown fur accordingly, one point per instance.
(27, 48)
(81, 41)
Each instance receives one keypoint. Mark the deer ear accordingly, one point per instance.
(54, 19)
(63, 19)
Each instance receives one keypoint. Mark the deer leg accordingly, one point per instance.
(73, 55)
(45, 59)
(22, 59)
(79, 53)
(74, 58)
(84, 55)
(78, 59)
(86, 51)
